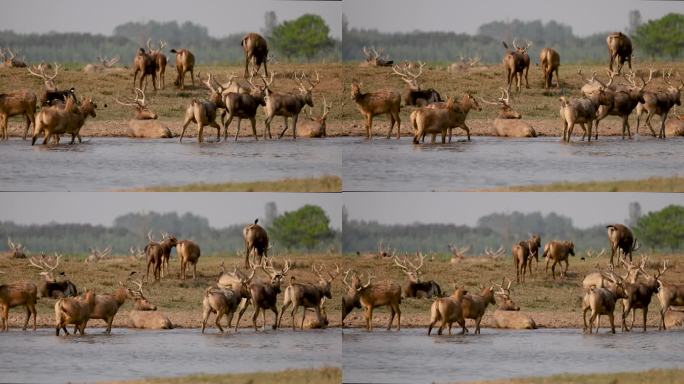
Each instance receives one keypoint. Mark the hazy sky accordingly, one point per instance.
(221, 209)
(221, 17)
(585, 16)
(585, 209)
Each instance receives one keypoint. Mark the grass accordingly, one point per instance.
(290, 376)
(552, 303)
(652, 184)
(313, 184)
(661, 376)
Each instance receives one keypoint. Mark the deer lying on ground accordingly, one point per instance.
(55, 121)
(287, 104)
(96, 255)
(601, 301)
(315, 127)
(17, 251)
(17, 103)
(414, 95)
(50, 287)
(225, 301)
(145, 64)
(620, 48)
(74, 310)
(145, 314)
(660, 103)
(621, 239)
(243, 106)
(142, 110)
(256, 52)
(457, 254)
(580, 111)
(256, 240)
(371, 295)
(668, 295)
(516, 62)
(11, 61)
(374, 58)
(558, 251)
(448, 310)
(378, 103)
(463, 107)
(308, 295)
(506, 111)
(264, 295)
(189, 253)
(51, 95)
(416, 288)
(105, 64)
(549, 61)
(503, 295)
(185, 62)
(15, 294)
(157, 252)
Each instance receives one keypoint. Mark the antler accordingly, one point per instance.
(208, 82)
(590, 81)
(40, 72)
(162, 44)
(326, 109)
(137, 102)
(346, 276)
(660, 272)
(312, 84)
(43, 264)
(149, 237)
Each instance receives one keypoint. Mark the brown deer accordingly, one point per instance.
(256, 52)
(264, 295)
(620, 48)
(516, 62)
(15, 294)
(50, 287)
(74, 310)
(185, 62)
(188, 253)
(533, 243)
(107, 305)
(17, 251)
(503, 296)
(448, 310)
(142, 110)
(105, 64)
(97, 255)
(315, 127)
(621, 239)
(521, 254)
(158, 253)
(202, 113)
(549, 61)
(668, 295)
(463, 107)
(243, 106)
(287, 104)
(51, 95)
(11, 61)
(623, 102)
(580, 111)
(434, 121)
(414, 95)
(638, 293)
(308, 295)
(54, 121)
(225, 301)
(371, 295)
(14, 104)
(506, 111)
(145, 64)
(558, 251)
(660, 103)
(378, 103)
(415, 287)
(256, 240)
(474, 306)
(374, 58)
(159, 60)
(601, 301)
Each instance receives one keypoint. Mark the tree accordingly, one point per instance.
(306, 227)
(662, 37)
(271, 212)
(634, 21)
(270, 23)
(634, 213)
(302, 37)
(663, 229)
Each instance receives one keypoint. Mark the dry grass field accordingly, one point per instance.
(662, 376)
(652, 184)
(290, 376)
(551, 303)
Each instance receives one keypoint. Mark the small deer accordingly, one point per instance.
(188, 253)
(17, 250)
(185, 62)
(11, 61)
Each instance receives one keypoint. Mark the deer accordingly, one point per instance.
(660, 103)
(316, 126)
(506, 111)
(50, 287)
(448, 310)
(474, 305)
(142, 110)
(558, 251)
(620, 48)
(533, 243)
(414, 95)
(494, 254)
(601, 301)
(516, 62)
(377, 103)
(202, 113)
(308, 295)
(104, 64)
(159, 60)
(256, 240)
(17, 103)
(505, 302)
(623, 102)
(74, 310)
(243, 106)
(287, 104)
(17, 251)
(97, 255)
(51, 95)
(225, 301)
(188, 253)
(668, 295)
(145, 314)
(416, 288)
(549, 61)
(434, 121)
(264, 295)
(107, 305)
(463, 107)
(580, 111)
(11, 61)
(375, 58)
(145, 64)
(256, 52)
(621, 239)
(16, 294)
(185, 62)
(638, 293)
(371, 295)
(158, 253)
(458, 253)
(521, 254)
(54, 121)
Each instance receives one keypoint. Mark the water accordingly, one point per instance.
(489, 162)
(28, 357)
(410, 356)
(120, 163)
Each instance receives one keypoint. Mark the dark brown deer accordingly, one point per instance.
(14, 104)
(185, 62)
(11, 61)
(256, 240)
(107, 305)
(51, 95)
(243, 106)
(638, 294)
(660, 103)
(158, 253)
(256, 52)
(621, 239)
(620, 48)
(623, 101)
(264, 295)
(533, 243)
(50, 287)
(145, 64)
(17, 251)
(474, 306)
(414, 95)
(375, 58)
(549, 61)
(142, 110)
(308, 295)
(415, 287)
(516, 62)
(377, 103)
(159, 60)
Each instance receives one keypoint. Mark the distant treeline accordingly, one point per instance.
(486, 44)
(128, 37)
(131, 230)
